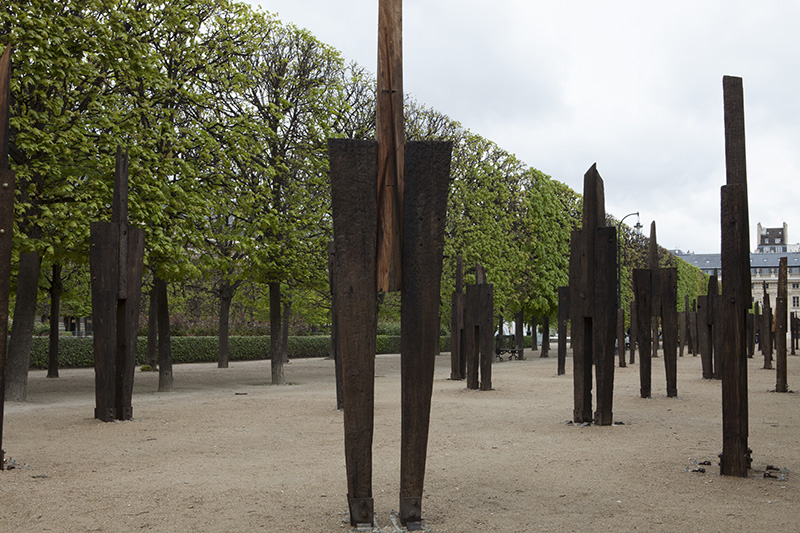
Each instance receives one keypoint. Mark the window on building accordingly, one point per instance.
(795, 301)
(796, 285)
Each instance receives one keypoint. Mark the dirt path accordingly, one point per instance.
(226, 452)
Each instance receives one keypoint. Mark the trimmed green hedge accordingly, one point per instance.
(74, 352)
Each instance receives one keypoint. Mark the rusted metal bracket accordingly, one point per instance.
(411, 513)
(362, 512)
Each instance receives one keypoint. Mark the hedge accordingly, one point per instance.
(74, 352)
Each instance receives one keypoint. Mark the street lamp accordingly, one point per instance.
(638, 228)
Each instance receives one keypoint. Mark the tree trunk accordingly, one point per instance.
(164, 349)
(19, 346)
(56, 288)
(287, 313)
(276, 334)
(535, 338)
(225, 297)
(545, 336)
(151, 357)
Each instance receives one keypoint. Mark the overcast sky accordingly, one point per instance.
(634, 86)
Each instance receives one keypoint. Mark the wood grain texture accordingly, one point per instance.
(642, 287)
(389, 127)
(353, 192)
(735, 457)
(427, 181)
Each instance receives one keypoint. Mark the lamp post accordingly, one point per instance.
(638, 228)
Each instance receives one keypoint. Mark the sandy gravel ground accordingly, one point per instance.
(226, 452)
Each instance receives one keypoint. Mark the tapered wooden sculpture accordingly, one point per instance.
(116, 261)
(6, 226)
(781, 309)
(592, 275)
(563, 322)
(458, 359)
(479, 331)
(734, 221)
(389, 201)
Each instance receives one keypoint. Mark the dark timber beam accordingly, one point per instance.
(7, 180)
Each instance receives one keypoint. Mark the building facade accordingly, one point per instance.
(772, 245)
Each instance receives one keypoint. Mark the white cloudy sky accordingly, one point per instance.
(635, 86)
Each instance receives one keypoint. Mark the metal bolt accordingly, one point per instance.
(2, 231)
(5, 185)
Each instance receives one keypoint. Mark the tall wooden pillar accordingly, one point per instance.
(458, 360)
(353, 172)
(781, 309)
(734, 221)
(563, 321)
(642, 287)
(116, 264)
(592, 304)
(7, 179)
(668, 285)
(633, 331)
(766, 330)
(427, 173)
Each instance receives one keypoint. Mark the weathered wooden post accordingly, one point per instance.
(736, 456)
(642, 289)
(116, 262)
(682, 332)
(621, 337)
(458, 360)
(792, 331)
(766, 330)
(715, 308)
(757, 324)
(479, 336)
(705, 326)
(652, 264)
(563, 321)
(633, 331)
(781, 309)
(7, 181)
(593, 304)
(668, 287)
(751, 335)
(389, 201)
(353, 168)
(427, 172)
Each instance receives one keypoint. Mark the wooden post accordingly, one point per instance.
(715, 308)
(682, 332)
(736, 456)
(458, 360)
(792, 331)
(484, 312)
(563, 321)
(668, 279)
(621, 337)
(427, 168)
(353, 173)
(605, 319)
(633, 332)
(652, 264)
(642, 287)
(781, 309)
(766, 330)
(389, 129)
(592, 274)
(7, 180)
(705, 338)
(116, 263)
(751, 335)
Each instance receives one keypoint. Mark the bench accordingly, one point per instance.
(506, 344)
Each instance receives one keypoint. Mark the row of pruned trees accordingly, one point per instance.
(226, 112)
